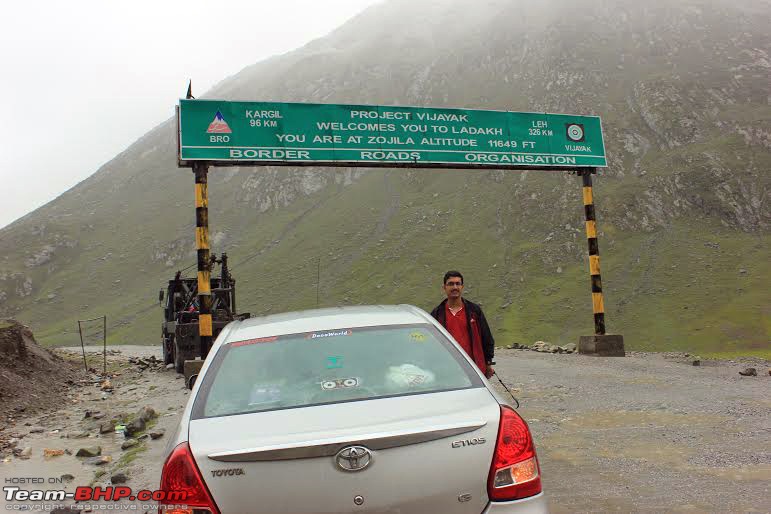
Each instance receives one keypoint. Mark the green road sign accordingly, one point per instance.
(295, 134)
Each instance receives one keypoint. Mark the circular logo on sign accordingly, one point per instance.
(575, 132)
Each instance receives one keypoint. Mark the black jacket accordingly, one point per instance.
(488, 343)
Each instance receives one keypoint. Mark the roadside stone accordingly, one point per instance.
(147, 413)
(135, 427)
(99, 461)
(90, 451)
(25, 453)
(749, 372)
(107, 427)
(67, 477)
(77, 435)
(157, 434)
(544, 347)
(50, 452)
(36, 430)
(119, 478)
(143, 437)
(696, 360)
(128, 443)
(98, 415)
(570, 347)
(169, 366)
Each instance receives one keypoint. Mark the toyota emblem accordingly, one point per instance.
(353, 458)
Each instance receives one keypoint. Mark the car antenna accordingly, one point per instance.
(507, 389)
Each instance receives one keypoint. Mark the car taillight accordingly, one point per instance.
(514, 473)
(183, 485)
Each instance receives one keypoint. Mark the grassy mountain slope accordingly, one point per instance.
(683, 208)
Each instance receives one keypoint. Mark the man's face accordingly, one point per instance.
(453, 288)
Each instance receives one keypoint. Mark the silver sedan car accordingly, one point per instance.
(348, 410)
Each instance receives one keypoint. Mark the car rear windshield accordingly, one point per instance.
(330, 366)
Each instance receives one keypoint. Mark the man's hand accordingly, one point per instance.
(489, 372)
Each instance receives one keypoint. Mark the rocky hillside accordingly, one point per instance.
(683, 91)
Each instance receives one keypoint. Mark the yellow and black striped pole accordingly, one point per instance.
(598, 305)
(600, 344)
(201, 170)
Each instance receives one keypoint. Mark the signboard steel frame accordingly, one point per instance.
(220, 131)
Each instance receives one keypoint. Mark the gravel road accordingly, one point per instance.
(644, 433)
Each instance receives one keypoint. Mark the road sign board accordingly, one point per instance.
(297, 134)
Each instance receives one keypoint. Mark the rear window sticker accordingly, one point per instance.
(263, 394)
(331, 333)
(340, 383)
(418, 337)
(334, 362)
(255, 341)
(408, 375)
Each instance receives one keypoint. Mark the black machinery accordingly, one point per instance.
(179, 330)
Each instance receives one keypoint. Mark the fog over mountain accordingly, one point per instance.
(684, 93)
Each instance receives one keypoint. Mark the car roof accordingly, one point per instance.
(325, 319)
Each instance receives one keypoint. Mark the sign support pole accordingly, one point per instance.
(201, 169)
(600, 343)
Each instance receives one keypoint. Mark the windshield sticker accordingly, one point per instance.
(255, 341)
(334, 362)
(418, 337)
(341, 383)
(332, 333)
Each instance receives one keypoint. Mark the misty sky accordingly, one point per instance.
(83, 79)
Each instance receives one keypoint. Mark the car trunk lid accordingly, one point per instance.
(429, 453)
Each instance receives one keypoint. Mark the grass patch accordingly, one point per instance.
(736, 354)
(130, 456)
(98, 474)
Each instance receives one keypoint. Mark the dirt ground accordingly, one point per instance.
(31, 378)
(644, 433)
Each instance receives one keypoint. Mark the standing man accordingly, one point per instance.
(466, 322)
